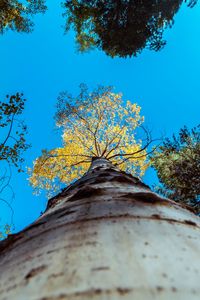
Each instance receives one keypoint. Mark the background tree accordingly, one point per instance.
(98, 124)
(121, 28)
(16, 15)
(12, 145)
(177, 163)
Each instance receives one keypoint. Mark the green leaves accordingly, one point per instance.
(121, 28)
(178, 167)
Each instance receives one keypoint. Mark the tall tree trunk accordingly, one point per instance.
(107, 236)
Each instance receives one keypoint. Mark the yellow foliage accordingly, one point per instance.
(102, 127)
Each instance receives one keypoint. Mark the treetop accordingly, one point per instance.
(97, 124)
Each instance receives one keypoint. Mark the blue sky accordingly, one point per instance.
(41, 64)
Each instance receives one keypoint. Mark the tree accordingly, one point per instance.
(106, 235)
(16, 15)
(121, 28)
(12, 145)
(98, 124)
(178, 167)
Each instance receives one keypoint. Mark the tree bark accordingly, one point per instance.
(107, 236)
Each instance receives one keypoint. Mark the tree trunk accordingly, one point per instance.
(107, 236)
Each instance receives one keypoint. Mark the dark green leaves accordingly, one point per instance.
(120, 27)
(178, 167)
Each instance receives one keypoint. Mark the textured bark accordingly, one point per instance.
(107, 236)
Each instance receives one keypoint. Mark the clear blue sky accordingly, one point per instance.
(41, 64)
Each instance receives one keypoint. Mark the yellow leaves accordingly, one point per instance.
(105, 127)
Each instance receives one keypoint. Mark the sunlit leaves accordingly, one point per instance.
(16, 15)
(97, 124)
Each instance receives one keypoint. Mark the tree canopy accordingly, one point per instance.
(177, 163)
(97, 124)
(17, 15)
(120, 27)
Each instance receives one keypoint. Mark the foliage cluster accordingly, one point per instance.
(16, 15)
(120, 27)
(177, 163)
(97, 124)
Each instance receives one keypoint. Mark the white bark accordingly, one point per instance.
(106, 237)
